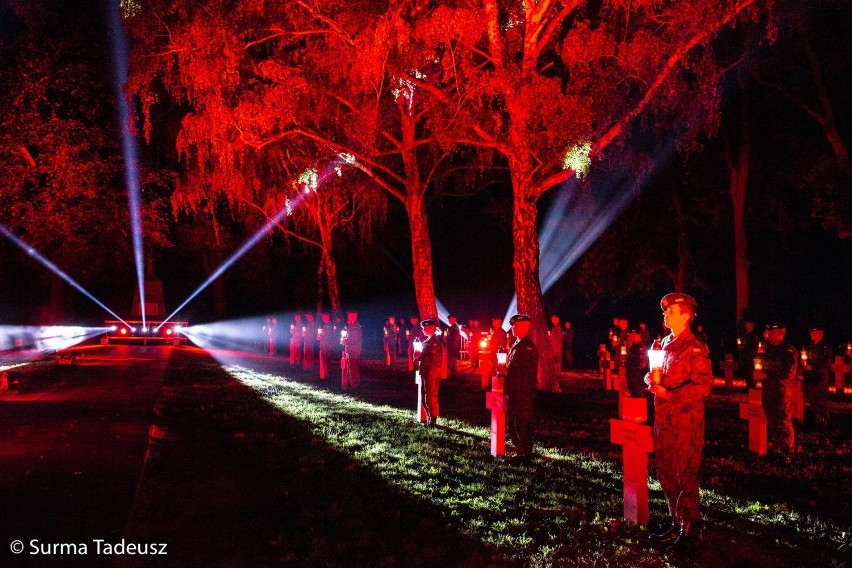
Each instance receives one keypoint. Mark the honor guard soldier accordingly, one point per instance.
(749, 345)
(554, 334)
(473, 339)
(296, 340)
(391, 336)
(454, 345)
(497, 338)
(817, 375)
(567, 345)
(521, 373)
(679, 391)
(310, 337)
(351, 340)
(637, 364)
(431, 362)
(324, 334)
(779, 365)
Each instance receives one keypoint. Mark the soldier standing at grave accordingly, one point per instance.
(497, 338)
(567, 345)
(817, 375)
(779, 364)
(554, 334)
(521, 373)
(750, 342)
(474, 337)
(324, 333)
(454, 344)
(310, 337)
(684, 383)
(296, 340)
(352, 352)
(636, 364)
(431, 363)
(415, 335)
(391, 333)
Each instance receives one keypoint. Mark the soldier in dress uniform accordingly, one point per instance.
(391, 336)
(296, 340)
(473, 339)
(497, 338)
(779, 365)
(415, 334)
(324, 334)
(636, 364)
(351, 340)
(310, 337)
(431, 363)
(521, 373)
(454, 344)
(749, 344)
(567, 345)
(684, 383)
(817, 375)
(554, 334)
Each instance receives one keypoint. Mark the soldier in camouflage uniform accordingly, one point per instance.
(521, 373)
(685, 382)
(431, 363)
(779, 364)
(817, 376)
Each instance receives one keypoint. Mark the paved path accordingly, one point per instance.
(71, 453)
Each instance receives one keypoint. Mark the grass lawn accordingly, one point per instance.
(253, 464)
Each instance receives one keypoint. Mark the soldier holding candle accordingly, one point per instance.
(680, 388)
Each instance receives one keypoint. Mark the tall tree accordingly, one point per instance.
(552, 84)
(60, 164)
(342, 75)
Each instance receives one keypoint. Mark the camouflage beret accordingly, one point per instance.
(519, 317)
(776, 325)
(678, 298)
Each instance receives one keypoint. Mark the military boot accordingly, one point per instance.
(669, 535)
(686, 539)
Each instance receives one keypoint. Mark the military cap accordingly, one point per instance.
(678, 298)
(426, 322)
(776, 325)
(636, 330)
(815, 328)
(519, 317)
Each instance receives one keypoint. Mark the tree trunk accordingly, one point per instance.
(527, 285)
(329, 265)
(320, 291)
(421, 254)
(739, 168)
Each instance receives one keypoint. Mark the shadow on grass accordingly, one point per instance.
(230, 480)
(445, 499)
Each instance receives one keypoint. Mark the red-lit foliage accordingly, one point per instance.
(402, 85)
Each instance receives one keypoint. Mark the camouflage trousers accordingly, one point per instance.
(678, 447)
(778, 406)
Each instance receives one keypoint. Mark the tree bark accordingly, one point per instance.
(527, 284)
(329, 265)
(739, 168)
(421, 254)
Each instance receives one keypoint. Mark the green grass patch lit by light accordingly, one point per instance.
(525, 511)
(516, 508)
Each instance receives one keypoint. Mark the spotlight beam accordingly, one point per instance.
(128, 146)
(270, 224)
(309, 185)
(576, 219)
(53, 268)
